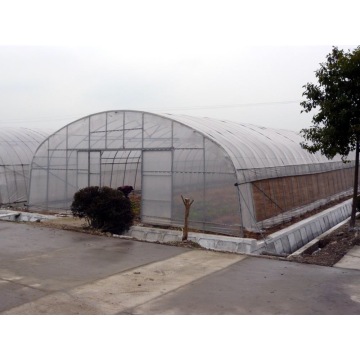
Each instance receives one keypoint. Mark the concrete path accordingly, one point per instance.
(120, 292)
(351, 260)
(50, 271)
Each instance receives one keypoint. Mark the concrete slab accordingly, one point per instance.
(348, 262)
(355, 251)
(351, 260)
(120, 292)
(50, 271)
(15, 294)
(263, 286)
(36, 261)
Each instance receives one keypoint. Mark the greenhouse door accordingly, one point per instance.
(88, 169)
(156, 190)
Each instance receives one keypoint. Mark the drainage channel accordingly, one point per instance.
(314, 245)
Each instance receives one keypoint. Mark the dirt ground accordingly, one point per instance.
(67, 222)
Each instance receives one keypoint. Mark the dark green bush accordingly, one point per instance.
(103, 208)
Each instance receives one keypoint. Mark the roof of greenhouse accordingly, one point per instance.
(248, 146)
(254, 146)
(18, 145)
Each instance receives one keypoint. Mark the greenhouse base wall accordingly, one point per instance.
(21, 216)
(283, 242)
(208, 241)
(287, 241)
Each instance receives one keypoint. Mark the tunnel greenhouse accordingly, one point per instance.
(17, 147)
(240, 176)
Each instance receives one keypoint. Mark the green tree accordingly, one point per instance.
(335, 126)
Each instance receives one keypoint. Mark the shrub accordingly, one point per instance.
(103, 208)
(126, 190)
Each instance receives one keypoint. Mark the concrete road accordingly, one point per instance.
(50, 271)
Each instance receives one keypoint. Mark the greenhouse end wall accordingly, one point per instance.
(17, 147)
(160, 157)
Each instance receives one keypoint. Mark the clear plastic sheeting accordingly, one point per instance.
(166, 156)
(17, 147)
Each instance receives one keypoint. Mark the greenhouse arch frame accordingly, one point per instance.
(236, 173)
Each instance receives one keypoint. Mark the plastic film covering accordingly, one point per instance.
(258, 152)
(166, 156)
(17, 147)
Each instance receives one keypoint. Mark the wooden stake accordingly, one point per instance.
(187, 203)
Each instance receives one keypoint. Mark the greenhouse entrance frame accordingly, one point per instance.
(157, 184)
(156, 176)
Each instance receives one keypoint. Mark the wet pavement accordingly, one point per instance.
(51, 271)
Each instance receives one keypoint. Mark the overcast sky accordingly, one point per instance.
(62, 60)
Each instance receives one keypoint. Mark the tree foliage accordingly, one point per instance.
(103, 208)
(336, 124)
